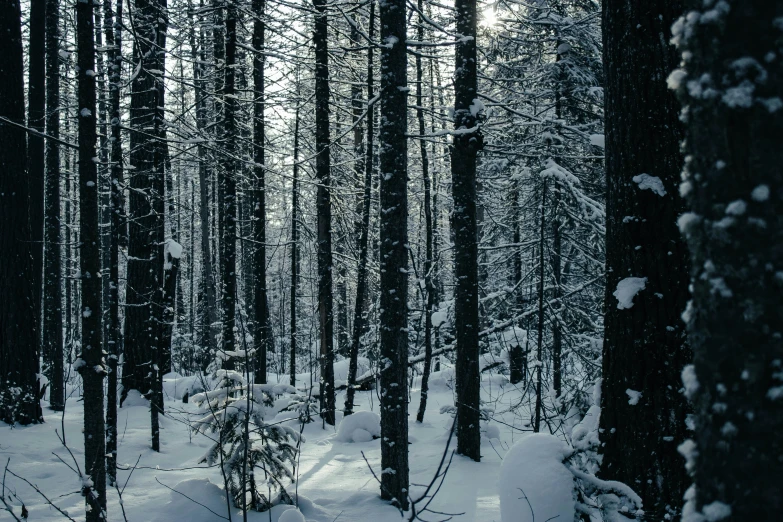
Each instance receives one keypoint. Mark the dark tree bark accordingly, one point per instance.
(118, 230)
(18, 349)
(540, 295)
(161, 350)
(52, 327)
(644, 344)
(207, 297)
(467, 143)
(172, 254)
(359, 318)
(36, 119)
(731, 87)
(91, 365)
(294, 243)
(324, 211)
(144, 311)
(557, 334)
(394, 254)
(218, 120)
(428, 268)
(228, 264)
(263, 333)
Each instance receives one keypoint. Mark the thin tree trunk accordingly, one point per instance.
(263, 332)
(161, 350)
(430, 304)
(228, 265)
(118, 230)
(394, 254)
(91, 362)
(359, 316)
(207, 297)
(52, 333)
(557, 334)
(733, 183)
(464, 150)
(540, 345)
(324, 211)
(294, 241)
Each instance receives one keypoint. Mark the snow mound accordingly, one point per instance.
(291, 515)
(534, 482)
(211, 497)
(362, 426)
(442, 380)
(175, 386)
(341, 370)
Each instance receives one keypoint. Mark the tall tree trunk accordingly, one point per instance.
(36, 119)
(425, 175)
(118, 229)
(557, 333)
(18, 349)
(263, 333)
(394, 254)
(463, 173)
(733, 184)
(91, 363)
(52, 331)
(104, 175)
(294, 241)
(144, 311)
(218, 120)
(161, 349)
(324, 211)
(207, 297)
(228, 265)
(643, 413)
(359, 316)
(540, 344)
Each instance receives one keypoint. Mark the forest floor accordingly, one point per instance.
(335, 483)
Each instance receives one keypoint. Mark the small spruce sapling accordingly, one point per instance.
(272, 447)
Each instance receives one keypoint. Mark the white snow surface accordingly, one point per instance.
(334, 480)
(362, 426)
(627, 289)
(534, 482)
(291, 515)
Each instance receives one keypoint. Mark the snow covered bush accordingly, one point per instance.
(257, 457)
(362, 426)
(543, 477)
(597, 499)
(303, 406)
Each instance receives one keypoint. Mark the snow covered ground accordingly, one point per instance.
(335, 483)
